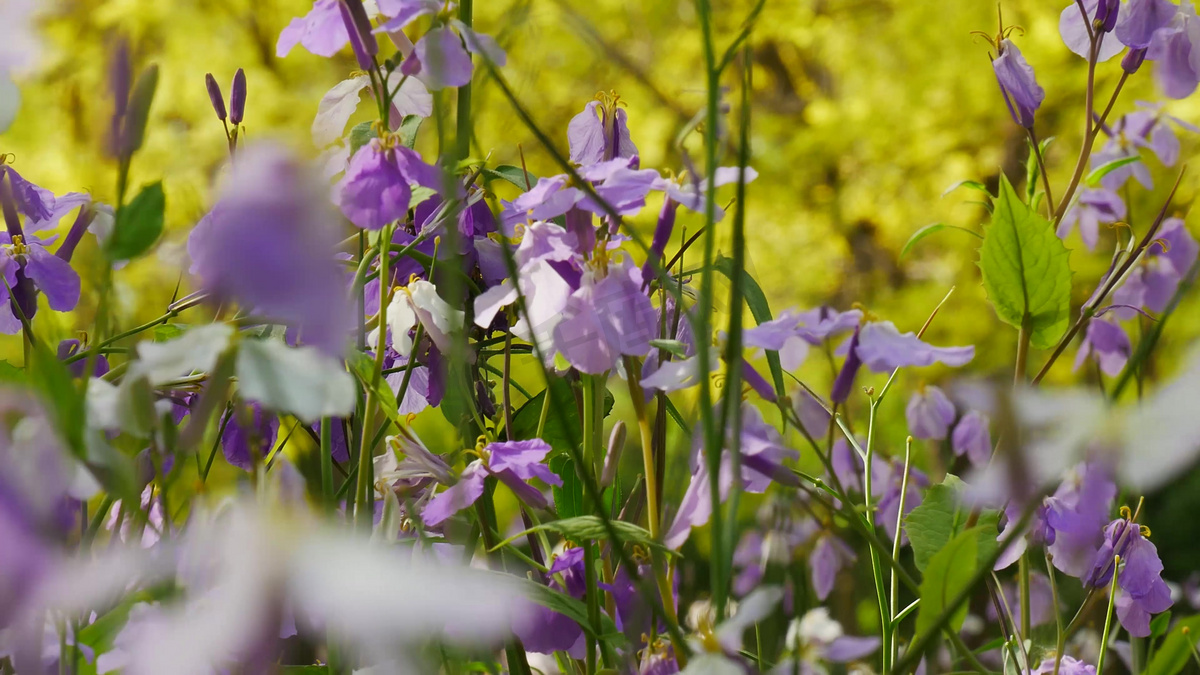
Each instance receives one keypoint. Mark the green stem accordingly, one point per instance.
(1023, 573)
(889, 657)
(1108, 614)
(327, 461)
(885, 618)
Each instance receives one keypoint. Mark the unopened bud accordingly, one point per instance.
(616, 443)
(1106, 15)
(237, 97)
(214, 96)
(1133, 60)
(134, 132)
(358, 27)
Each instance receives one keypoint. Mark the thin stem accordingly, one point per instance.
(1060, 636)
(1108, 614)
(1089, 139)
(1037, 152)
(894, 622)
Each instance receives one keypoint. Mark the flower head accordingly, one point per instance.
(511, 462)
(929, 414)
(1022, 93)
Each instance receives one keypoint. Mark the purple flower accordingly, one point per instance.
(887, 479)
(1076, 512)
(972, 438)
(605, 319)
(816, 638)
(828, 557)
(249, 436)
(548, 631)
(511, 462)
(600, 132)
(929, 414)
(1143, 592)
(270, 244)
(1153, 280)
(321, 31)
(762, 456)
(237, 97)
(68, 348)
(439, 58)
(27, 268)
(215, 97)
(1075, 32)
(1095, 206)
(1068, 665)
(375, 190)
(1018, 85)
(1107, 343)
(1176, 53)
(792, 332)
(1140, 19)
(883, 348)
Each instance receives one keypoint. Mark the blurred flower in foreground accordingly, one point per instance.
(19, 50)
(815, 639)
(1069, 665)
(269, 243)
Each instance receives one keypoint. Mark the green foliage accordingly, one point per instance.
(568, 498)
(564, 604)
(932, 229)
(363, 369)
(1025, 269)
(1093, 179)
(139, 224)
(760, 309)
(360, 135)
(948, 573)
(585, 528)
(513, 174)
(940, 518)
(1176, 648)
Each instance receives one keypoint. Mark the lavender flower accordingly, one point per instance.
(1067, 665)
(321, 31)
(1107, 343)
(1095, 206)
(441, 58)
(511, 462)
(883, 348)
(606, 318)
(815, 639)
(1175, 50)
(972, 438)
(1152, 282)
(249, 436)
(1021, 91)
(601, 132)
(762, 457)
(376, 188)
(269, 243)
(1143, 591)
(929, 414)
(548, 631)
(829, 556)
(1140, 19)
(1075, 34)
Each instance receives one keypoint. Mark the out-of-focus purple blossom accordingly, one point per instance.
(1041, 600)
(812, 413)
(321, 31)
(1107, 343)
(441, 58)
(883, 348)
(792, 332)
(1147, 128)
(691, 192)
(972, 438)
(1175, 50)
(1153, 280)
(829, 556)
(270, 244)
(1068, 665)
(1095, 206)
(1143, 591)
(511, 462)
(762, 455)
(816, 639)
(1020, 89)
(1140, 19)
(249, 436)
(929, 413)
(887, 479)
(69, 348)
(1075, 33)
(19, 43)
(549, 631)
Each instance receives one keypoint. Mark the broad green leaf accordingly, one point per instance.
(11, 374)
(1025, 269)
(63, 400)
(1093, 179)
(584, 528)
(513, 174)
(360, 135)
(940, 517)
(947, 575)
(1172, 657)
(760, 309)
(562, 429)
(139, 224)
(932, 229)
(1159, 626)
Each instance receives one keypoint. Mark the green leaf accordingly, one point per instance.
(363, 369)
(11, 374)
(513, 174)
(1025, 269)
(931, 229)
(360, 135)
(408, 130)
(563, 429)
(1093, 179)
(139, 224)
(940, 518)
(760, 309)
(1176, 649)
(969, 184)
(1159, 626)
(584, 528)
(674, 347)
(568, 498)
(947, 575)
(63, 400)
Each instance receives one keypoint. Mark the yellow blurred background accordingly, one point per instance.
(864, 112)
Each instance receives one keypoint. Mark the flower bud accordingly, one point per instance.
(1133, 60)
(237, 97)
(214, 96)
(845, 378)
(86, 215)
(133, 132)
(358, 27)
(1106, 15)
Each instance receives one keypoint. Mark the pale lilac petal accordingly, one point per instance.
(443, 60)
(481, 43)
(1075, 33)
(585, 135)
(335, 110)
(54, 277)
(456, 497)
(489, 303)
(883, 348)
(321, 31)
